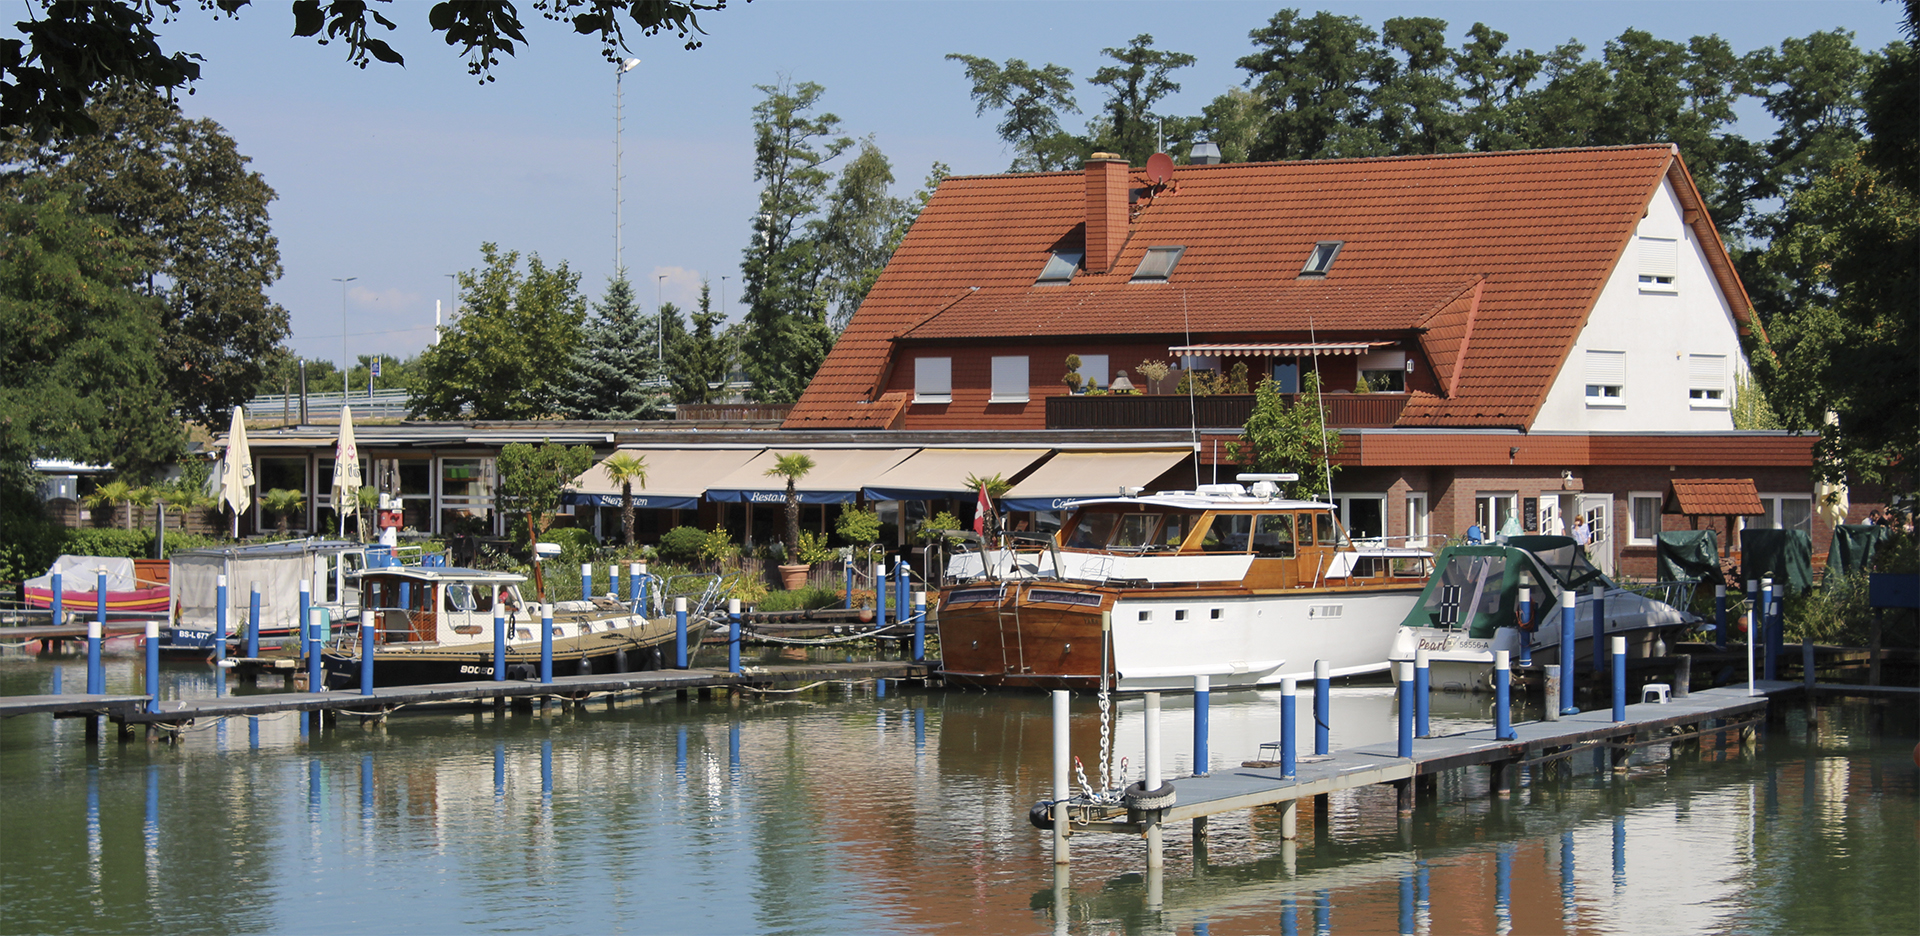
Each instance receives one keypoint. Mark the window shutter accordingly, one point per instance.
(1706, 372)
(932, 380)
(1607, 368)
(1659, 256)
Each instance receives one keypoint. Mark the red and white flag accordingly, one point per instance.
(982, 511)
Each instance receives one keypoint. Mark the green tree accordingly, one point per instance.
(196, 216)
(627, 469)
(786, 309)
(70, 50)
(792, 466)
(1290, 437)
(1418, 104)
(80, 373)
(856, 236)
(1033, 100)
(605, 379)
(532, 479)
(1134, 86)
(283, 503)
(506, 355)
(698, 363)
(1314, 74)
(1492, 83)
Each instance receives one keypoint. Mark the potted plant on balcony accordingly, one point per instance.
(793, 467)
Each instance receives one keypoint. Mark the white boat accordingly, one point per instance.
(1238, 585)
(1470, 609)
(436, 624)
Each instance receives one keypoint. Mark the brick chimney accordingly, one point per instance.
(1107, 188)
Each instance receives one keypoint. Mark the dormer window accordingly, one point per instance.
(1158, 264)
(1321, 259)
(1060, 267)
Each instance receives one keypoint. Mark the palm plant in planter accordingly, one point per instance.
(627, 469)
(792, 467)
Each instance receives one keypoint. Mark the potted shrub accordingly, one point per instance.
(792, 467)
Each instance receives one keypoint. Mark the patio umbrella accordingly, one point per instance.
(346, 469)
(236, 478)
(1831, 501)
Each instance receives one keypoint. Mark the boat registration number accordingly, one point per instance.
(476, 670)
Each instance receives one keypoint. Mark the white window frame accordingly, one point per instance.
(933, 380)
(1605, 374)
(1010, 379)
(1635, 535)
(1659, 264)
(1707, 381)
(1345, 503)
(1094, 371)
(1490, 524)
(1775, 507)
(1418, 520)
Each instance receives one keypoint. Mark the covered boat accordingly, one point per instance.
(1471, 608)
(436, 624)
(134, 586)
(327, 566)
(1238, 585)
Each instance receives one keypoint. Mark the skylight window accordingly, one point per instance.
(1158, 264)
(1061, 265)
(1321, 259)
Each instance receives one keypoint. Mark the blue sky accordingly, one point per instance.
(396, 175)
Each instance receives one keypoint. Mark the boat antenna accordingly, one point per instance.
(1193, 418)
(1320, 402)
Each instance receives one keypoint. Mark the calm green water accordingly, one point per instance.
(837, 811)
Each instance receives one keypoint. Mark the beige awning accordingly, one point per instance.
(933, 474)
(837, 477)
(676, 478)
(1074, 475)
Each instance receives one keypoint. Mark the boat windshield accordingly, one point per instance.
(1569, 567)
(1135, 531)
(1478, 592)
(460, 597)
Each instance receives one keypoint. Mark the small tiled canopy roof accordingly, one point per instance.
(1714, 497)
(1492, 261)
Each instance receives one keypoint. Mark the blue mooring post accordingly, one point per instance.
(919, 627)
(1289, 714)
(680, 633)
(733, 636)
(153, 666)
(1619, 679)
(57, 609)
(1422, 681)
(1502, 697)
(1404, 684)
(1567, 624)
(253, 621)
(96, 632)
(902, 583)
(1525, 630)
(1777, 631)
(1599, 628)
(614, 584)
(880, 594)
(1753, 614)
(586, 580)
(305, 635)
(1720, 616)
(366, 651)
(1322, 704)
(1764, 630)
(849, 604)
(546, 643)
(634, 571)
(1202, 703)
(57, 671)
(499, 643)
(220, 618)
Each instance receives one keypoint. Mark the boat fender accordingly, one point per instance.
(1041, 815)
(586, 667)
(1136, 796)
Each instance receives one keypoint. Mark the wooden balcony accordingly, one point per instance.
(1220, 411)
(731, 412)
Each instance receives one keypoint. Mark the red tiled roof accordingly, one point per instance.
(1513, 247)
(1714, 497)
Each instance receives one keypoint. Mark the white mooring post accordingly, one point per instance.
(1155, 858)
(1061, 789)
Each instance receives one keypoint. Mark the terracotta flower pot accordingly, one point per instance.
(794, 576)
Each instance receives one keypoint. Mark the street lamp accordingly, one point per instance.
(346, 363)
(660, 315)
(619, 75)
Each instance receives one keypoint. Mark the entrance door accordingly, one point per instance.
(1598, 509)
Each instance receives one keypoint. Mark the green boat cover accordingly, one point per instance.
(1852, 551)
(1477, 588)
(1786, 556)
(1688, 554)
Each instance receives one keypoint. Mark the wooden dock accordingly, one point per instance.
(1260, 783)
(129, 711)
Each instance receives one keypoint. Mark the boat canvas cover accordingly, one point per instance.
(1688, 554)
(837, 477)
(676, 478)
(937, 474)
(1476, 589)
(1852, 551)
(1070, 476)
(1786, 556)
(196, 579)
(81, 574)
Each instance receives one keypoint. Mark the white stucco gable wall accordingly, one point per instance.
(1655, 331)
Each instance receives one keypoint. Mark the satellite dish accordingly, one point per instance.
(1159, 168)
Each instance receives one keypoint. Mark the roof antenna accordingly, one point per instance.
(1319, 399)
(1193, 418)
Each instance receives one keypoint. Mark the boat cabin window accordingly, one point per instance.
(1326, 530)
(1228, 533)
(1091, 530)
(1136, 530)
(459, 597)
(1273, 536)
(1174, 529)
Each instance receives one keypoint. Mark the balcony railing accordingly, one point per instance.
(715, 412)
(1220, 411)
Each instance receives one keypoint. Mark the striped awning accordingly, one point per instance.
(1307, 349)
